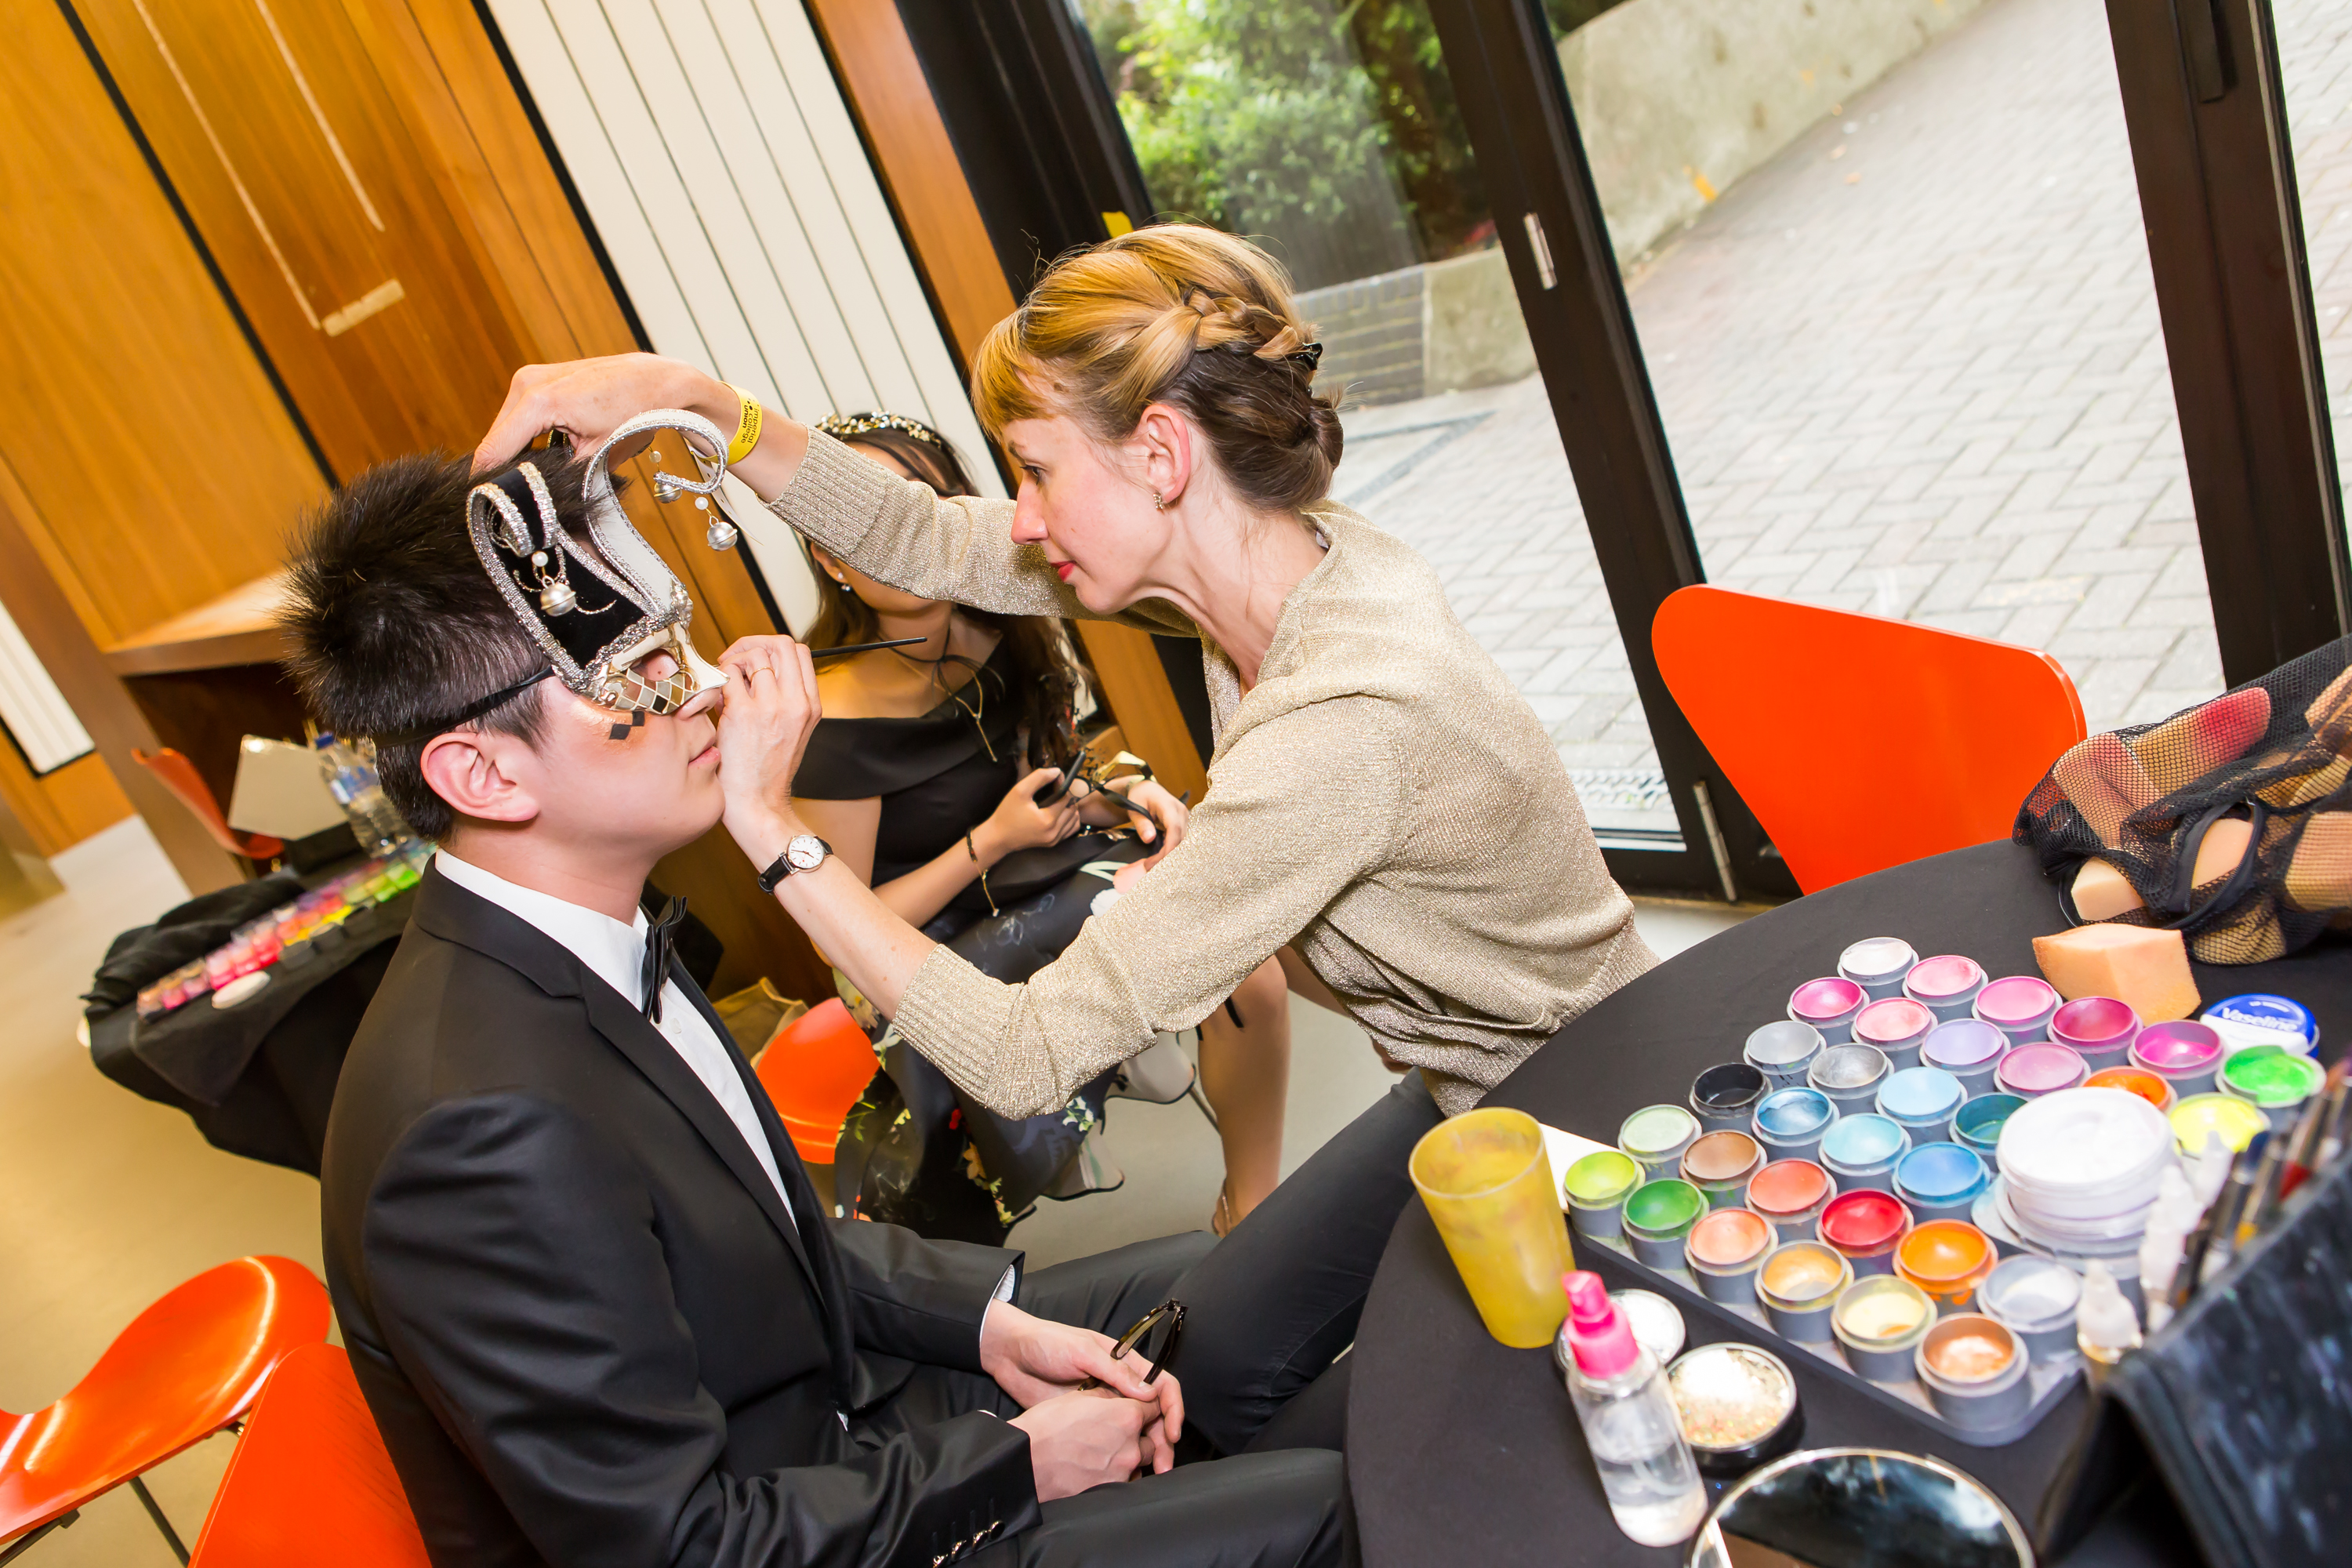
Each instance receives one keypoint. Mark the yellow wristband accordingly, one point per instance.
(747, 426)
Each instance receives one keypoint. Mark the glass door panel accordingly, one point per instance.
(1888, 272)
(2314, 52)
(1330, 130)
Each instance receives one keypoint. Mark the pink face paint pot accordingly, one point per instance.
(1947, 985)
(1878, 964)
(2134, 1081)
(1898, 1026)
(2031, 1071)
(1791, 1194)
(2019, 1005)
(1850, 1075)
(2184, 1055)
(1720, 1164)
(1974, 1372)
(1968, 1048)
(1830, 1005)
(2100, 1030)
(1879, 1323)
(1797, 1285)
(1782, 1050)
(1723, 1250)
(1864, 1226)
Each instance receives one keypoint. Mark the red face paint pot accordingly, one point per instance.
(1791, 1194)
(2099, 1029)
(1865, 1227)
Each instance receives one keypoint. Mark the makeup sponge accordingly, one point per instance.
(2147, 968)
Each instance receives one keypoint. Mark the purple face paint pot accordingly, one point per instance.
(2032, 1071)
(1878, 964)
(1789, 1123)
(1977, 1124)
(2100, 1030)
(2184, 1055)
(1940, 1181)
(1850, 1076)
(1921, 1101)
(1968, 1048)
(1898, 1026)
(1782, 1050)
(1830, 1005)
(2019, 1005)
(1860, 1152)
(1947, 985)
(1724, 1097)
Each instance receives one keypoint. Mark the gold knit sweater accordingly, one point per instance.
(1382, 798)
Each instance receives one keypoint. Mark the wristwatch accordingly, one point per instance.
(805, 853)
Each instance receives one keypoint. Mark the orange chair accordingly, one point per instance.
(185, 1368)
(813, 1070)
(179, 775)
(1861, 743)
(311, 1482)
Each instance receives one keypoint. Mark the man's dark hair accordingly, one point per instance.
(397, 627)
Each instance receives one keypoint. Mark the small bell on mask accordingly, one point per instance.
(555, 595)
(722, 532)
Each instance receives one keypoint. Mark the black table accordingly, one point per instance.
(1463, 1450)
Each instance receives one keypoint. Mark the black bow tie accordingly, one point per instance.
(661, 935)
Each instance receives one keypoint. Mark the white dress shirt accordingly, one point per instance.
(617, 954)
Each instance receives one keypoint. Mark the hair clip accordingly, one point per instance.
(848, 426)
(1308, 354)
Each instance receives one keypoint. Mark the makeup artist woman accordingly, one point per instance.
(1380, 798)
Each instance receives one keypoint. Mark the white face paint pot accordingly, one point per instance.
(1878, 964)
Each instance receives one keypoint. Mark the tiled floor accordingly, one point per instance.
(112, 1201)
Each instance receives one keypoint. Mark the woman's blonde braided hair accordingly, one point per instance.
(1180, 314)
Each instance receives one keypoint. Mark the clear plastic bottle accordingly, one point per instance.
(1629, 1421)
(376, 822)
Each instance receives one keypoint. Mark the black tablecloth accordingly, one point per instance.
(1462, 1450)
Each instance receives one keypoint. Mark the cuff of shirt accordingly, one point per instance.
(1003, 1293)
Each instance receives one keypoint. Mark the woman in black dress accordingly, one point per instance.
(937, 774)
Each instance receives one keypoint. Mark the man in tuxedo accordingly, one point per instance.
(597, 1308)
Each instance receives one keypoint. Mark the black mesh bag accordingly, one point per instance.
(2275, 753)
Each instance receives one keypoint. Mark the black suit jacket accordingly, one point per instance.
(587, 1328)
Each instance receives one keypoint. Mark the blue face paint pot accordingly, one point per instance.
(1861, 1151)
(1789, 1123)
(1940, 1181)
(1921, 1101)
(1977, 1125)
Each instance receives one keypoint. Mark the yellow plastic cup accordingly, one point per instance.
(1485, 1179)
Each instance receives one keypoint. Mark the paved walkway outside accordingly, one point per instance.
(1913, 366)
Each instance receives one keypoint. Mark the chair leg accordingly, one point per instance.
(10, 1553)
(1197, 1098)
(171, 1536)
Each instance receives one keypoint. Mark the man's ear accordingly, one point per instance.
(475, 772)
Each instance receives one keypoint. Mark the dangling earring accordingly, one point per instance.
(843, 584)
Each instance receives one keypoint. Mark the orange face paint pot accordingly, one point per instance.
(1797, 1285)
(1948, 1258)
(1974, 1372)
(1724, 1251)
(1791, 1193)
(2134, 1081)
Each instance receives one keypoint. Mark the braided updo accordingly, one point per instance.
(1179, 314)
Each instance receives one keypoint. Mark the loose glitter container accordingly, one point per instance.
(1878, 1323)
(1720, 1164)
(1941, 1180)
(1658, 1219)
(2031, 1071)
(1878, 964)
(1595, 1188)
(1726, 1097)
(1921, 1101)
(2034, 1298)
(2019, 1005)
(1850, 1075)
(1896, 1026)
(1656, 1136)
(1864, 1227)
(2273, 1079)
(1782, 1050)
(1948, 1258)
(2184, 1055)
(1737, 1405)
(1723, 1251)
(2099, 1029)
(2228, 1118)
(1797, 1284)
(1789, 1123)
(1977, 1125)
(1974, 1370)
(1860, 1152)
(1969, 1049)
(1947, 985)
(1830, 1005)
(2134, 1081)
(1791, 1194)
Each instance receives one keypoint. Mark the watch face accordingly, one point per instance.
(806, 853)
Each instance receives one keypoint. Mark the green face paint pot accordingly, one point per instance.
(1658, 1219)
(1596, 1188)
(2273, 1079)
(1656, 1136)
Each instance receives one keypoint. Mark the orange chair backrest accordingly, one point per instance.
(182, 1370)
(311, 1482)
(176, 774)
(1861, 743)
(813, 1070)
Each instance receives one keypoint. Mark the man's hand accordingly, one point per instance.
(770, 710)
(1077, 1441)
(1034, 1359)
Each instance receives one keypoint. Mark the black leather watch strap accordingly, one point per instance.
(778, 869)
